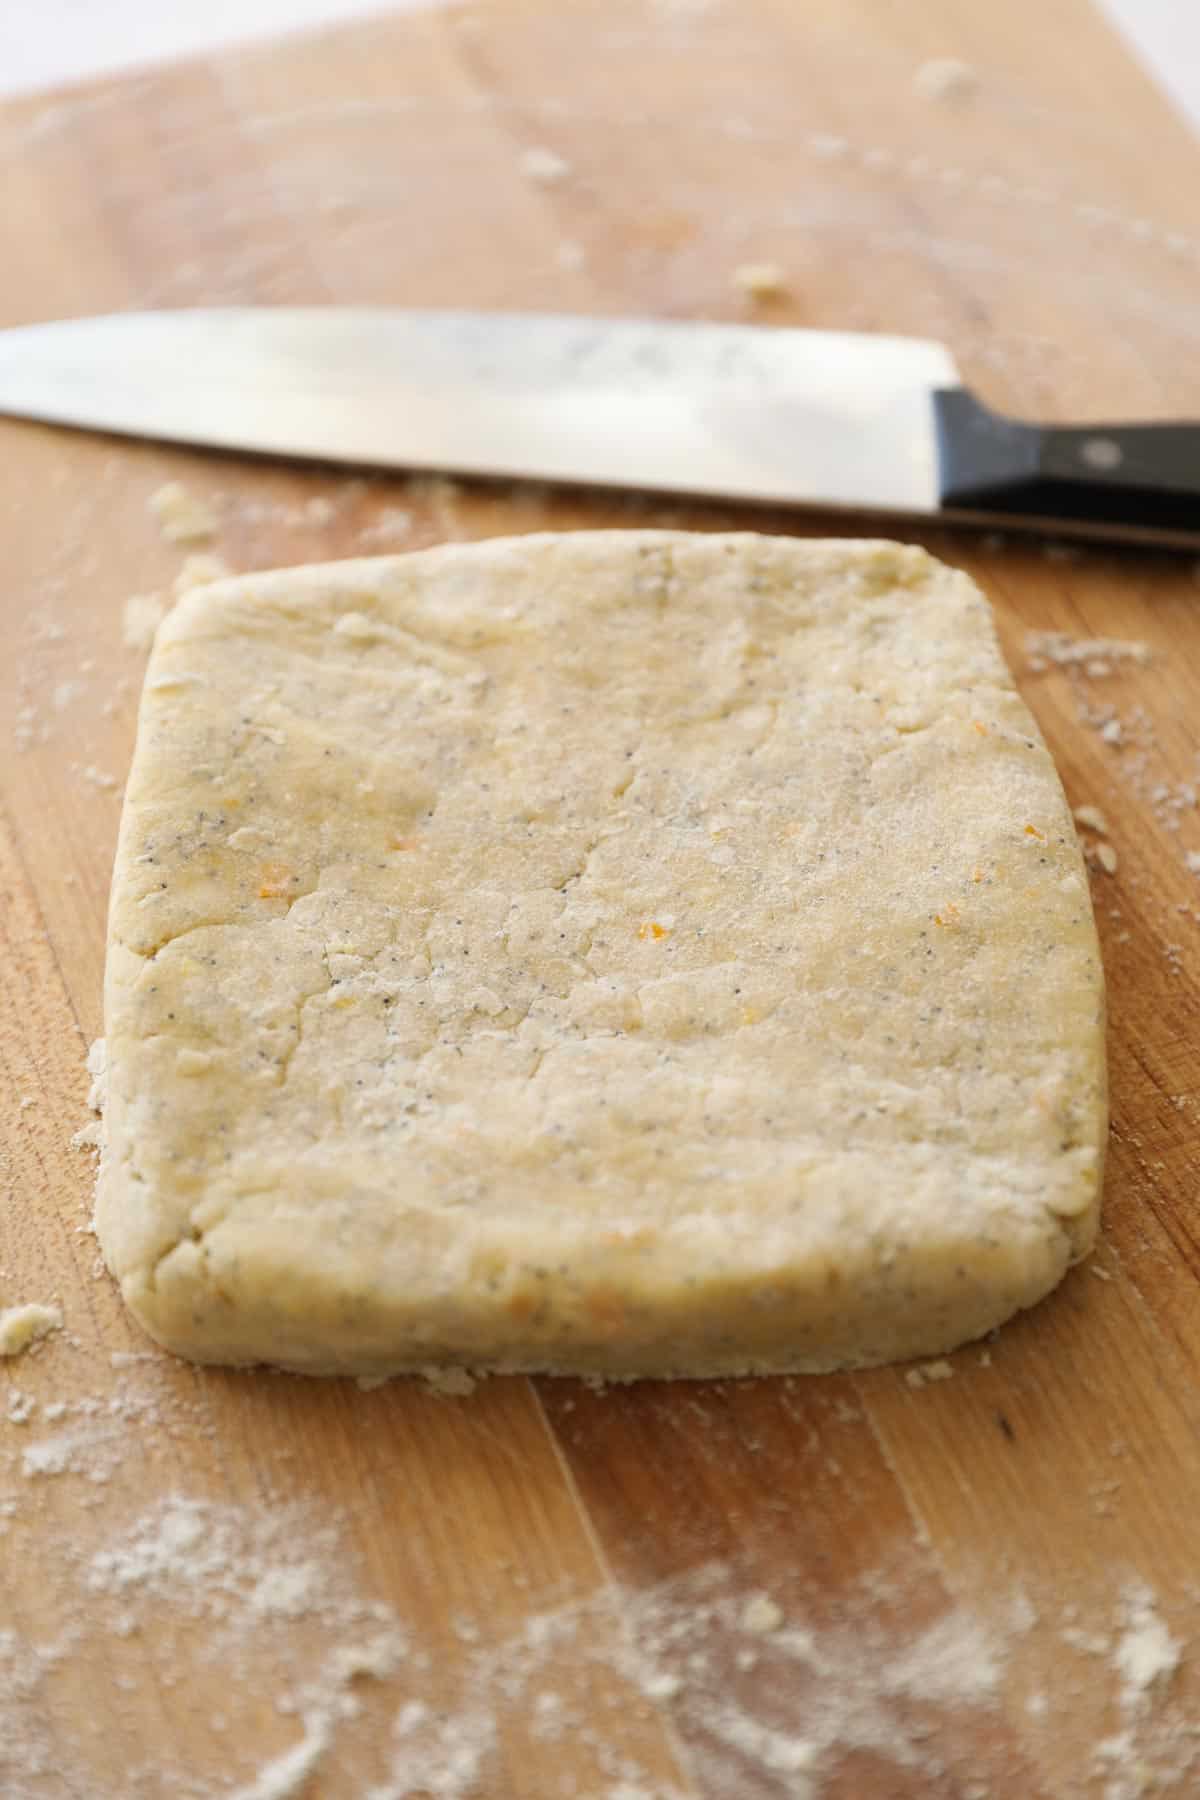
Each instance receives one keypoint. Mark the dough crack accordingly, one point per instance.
(216, 924)
(285, 1061)
(190, 1233)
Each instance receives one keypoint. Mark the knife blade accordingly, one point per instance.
(833, 420)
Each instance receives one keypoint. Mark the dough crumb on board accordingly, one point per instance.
(201, 567)
(91, 1135)
(24, 1325)
(1092, 819)
(941, 1370)
(141, 617)
(451, 1382)
(760, 281)
(182, 517)
(591, 974)
(761, 1614)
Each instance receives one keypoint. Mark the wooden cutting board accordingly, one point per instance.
(979, 1579)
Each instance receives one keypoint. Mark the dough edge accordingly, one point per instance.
(196, 1310)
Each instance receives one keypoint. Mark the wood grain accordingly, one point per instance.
(571, 1568)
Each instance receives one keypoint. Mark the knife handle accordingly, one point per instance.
(1139, 475)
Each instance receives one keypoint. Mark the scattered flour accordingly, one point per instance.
(95, 777)
(65, 694)
(228, 1564)
(96, 1437)
(390, 526)
(79, 1450)
(318, 511)
(313, 514)
(21, 1326)
(543, 165)
(1145, 1652)
(223, 1587)
(29, 728)
(945, 78)
(285, 1775)
(1095, 656)
(181, 516)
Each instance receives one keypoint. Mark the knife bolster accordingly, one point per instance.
(1137, 475)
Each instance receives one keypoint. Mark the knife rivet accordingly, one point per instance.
(1101, 453)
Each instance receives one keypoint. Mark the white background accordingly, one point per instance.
(43, 42)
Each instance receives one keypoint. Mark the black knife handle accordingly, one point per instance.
(1141, 475)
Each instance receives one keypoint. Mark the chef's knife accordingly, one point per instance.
(842, 420)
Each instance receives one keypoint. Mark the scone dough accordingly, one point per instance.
(640, 953)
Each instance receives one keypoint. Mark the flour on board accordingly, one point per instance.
(392, 525)
(945, 78)
(244, 1592)
(542, 165)
(1096, 656)
(761, 1614)
(1145, 1652)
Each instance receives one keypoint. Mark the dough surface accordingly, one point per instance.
(634, 952)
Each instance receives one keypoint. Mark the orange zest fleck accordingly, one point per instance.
(404, 843)
(976, 874)
(273, 881)
(951, 912)
(981, 729)
(650, 928)
(1032, 831)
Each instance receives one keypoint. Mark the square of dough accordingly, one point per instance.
(634, 952)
